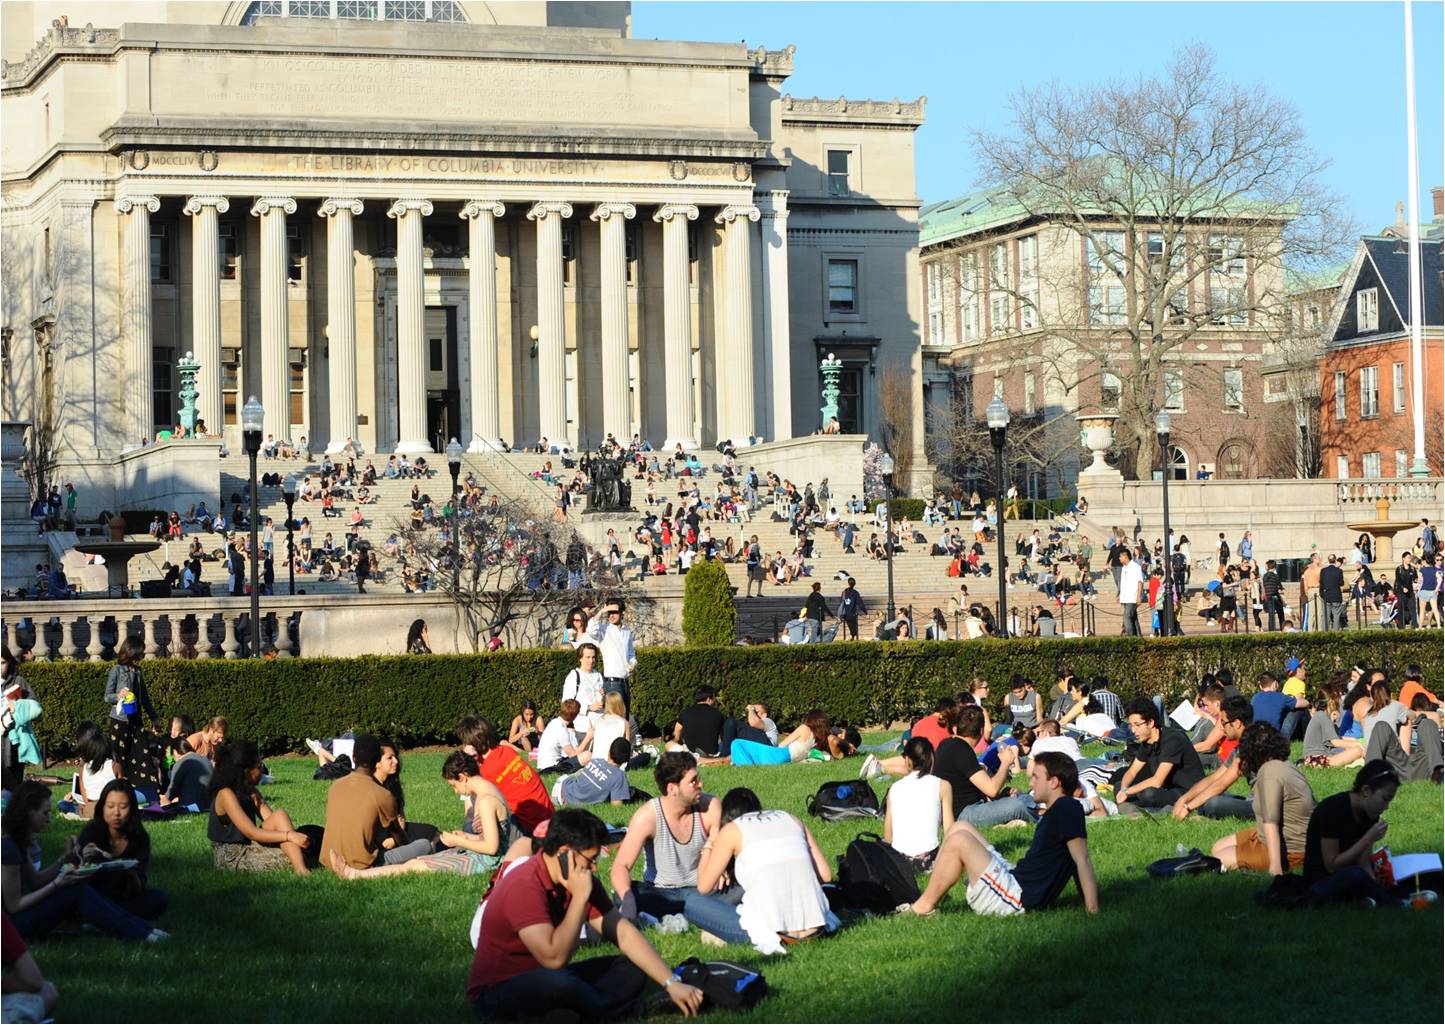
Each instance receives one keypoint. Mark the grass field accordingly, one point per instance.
(282, 948)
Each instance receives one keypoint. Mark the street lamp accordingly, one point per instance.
(997, 414)
(253, 421)
(1166, 616)
(454, 462)
(288, 492)
(886, 465)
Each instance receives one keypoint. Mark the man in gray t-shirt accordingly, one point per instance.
(598, 780)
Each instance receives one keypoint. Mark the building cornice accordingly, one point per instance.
(61, 40)
(817, 110)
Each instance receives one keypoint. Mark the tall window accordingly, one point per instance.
(968, 298)
(1369, 392)
(1234, 388)
(629, 236)
(161, 271)
(1341, 398)
(998, 280)
(569, 252)
(1109, 389)
(966, 386)
(1342, 467)
(1103, 251)
(1173, 390)
(163, 359)
(1029, 281)
(298, 392)
(838, 172)
(295, 250)
(935, 304)
(842, 286)
(230, 385)
(1029, 393)
(1367, 310)
(1402, 463)
(1370, 464)
(230, 243)
(1227, 278)
(1398, 372)
(1170, 279)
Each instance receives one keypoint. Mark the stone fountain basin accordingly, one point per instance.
(1387, 527)
(117, 555)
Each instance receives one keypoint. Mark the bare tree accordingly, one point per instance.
(1177, 202)
(1038, 443)
(895, 410)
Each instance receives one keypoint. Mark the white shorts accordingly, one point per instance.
(557, 789)
(996, 892)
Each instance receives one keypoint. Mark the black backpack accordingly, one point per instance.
(1193, 863)
(875, 877)
(733, 987)
(844, 799)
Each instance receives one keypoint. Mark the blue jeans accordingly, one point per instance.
(79, 899)
(595, 989)
(1292, 721)
(1353, 883)
(717, 913)
(997, 812)
(1226, 806)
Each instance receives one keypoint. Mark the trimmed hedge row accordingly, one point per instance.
(418, 699)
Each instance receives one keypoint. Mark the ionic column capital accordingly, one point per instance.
(728, 214)
(602, 211)
(542, 210)
(196, 204)
(477, 207)
(402, 207)
(267, 204)
(668, 211)
(125, 204)
(332, 207)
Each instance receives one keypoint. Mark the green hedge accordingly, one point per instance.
(709, 615)
(418, 699)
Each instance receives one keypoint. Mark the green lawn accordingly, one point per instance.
(280, 948)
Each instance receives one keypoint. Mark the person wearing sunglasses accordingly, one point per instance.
(531, 926)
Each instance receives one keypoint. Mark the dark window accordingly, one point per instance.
(837, 172)
(842, 286)
(161, 271)
(436, 357)
(230, 242)
(163, 359)
(295, 252)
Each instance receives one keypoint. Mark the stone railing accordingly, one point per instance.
(1396, 489)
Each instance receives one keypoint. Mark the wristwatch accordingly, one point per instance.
(674, 978)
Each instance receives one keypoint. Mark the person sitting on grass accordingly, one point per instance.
(1165, 764)
(531, 925)
(1208, 796)
(190, 781)
(246, 834)
(508, 769)
(1340, 841)
(1324, 747)
(204, 741)
(1409, 741)
(526, 729)
(699, 726)
(918, 807)
(609, 727)
(117, 832)
(388, 774)
(559, 750)
(98, 766)
(601, 779)
(359, 815)
(1272, 705)
(1059, 852)
(1283, 803)
(486, 835)
(1208, 732)
(36, 899)
(28, 996)
(777, 862)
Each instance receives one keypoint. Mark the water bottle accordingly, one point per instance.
(1179, 850)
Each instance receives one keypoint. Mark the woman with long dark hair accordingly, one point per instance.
(246, 834)
(416, 639)
(388, 774)
(1343, 831)
(126, 698)
(116, 832)
(919, 807)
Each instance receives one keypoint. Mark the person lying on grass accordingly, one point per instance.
(486, 835)
(671, 830)
(532, 923)
(116, 832)
(1059, 852)
(1343, 831)
(1283, 803)
(1208, 797)
(779, 866)
(38, 899)
(508, 769)
(1165, 764)
(246, 834)
(360, 813)
(816, 733)
(917, 807)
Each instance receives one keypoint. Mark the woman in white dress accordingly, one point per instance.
(919, 807)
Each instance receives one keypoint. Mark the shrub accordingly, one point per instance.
(419, 698)
(909, 507)
(709, 615)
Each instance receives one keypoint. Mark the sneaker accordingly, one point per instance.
(157, 936)
(672, 924)
(907, 909)
(267, 778)
(314, 746)
(710, 940)
(871, 769)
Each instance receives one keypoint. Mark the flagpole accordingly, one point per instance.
(1420, 466)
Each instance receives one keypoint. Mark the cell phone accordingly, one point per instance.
(566, 861)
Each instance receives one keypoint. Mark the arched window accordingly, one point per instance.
(1178, 463)
(361, 10)
(1235, 460)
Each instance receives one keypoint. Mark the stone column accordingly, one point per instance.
(677, 326)
(737, 405)
(411, 325)
(616, 399)
(139, 381)
(776, 331)
(551, 338)
(275, 315)
(205, 214)
(341, 317)
(481, 215)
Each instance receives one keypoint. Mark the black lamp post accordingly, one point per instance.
(997, 414)
(886, 465)
(253, 422)
(288, 493)
(454, 463)
(1166, 616)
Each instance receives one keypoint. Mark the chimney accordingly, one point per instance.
(1400, 215)
(1437, 201)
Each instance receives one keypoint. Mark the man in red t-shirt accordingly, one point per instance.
(28, 997)
(531, 925)
(508, 769)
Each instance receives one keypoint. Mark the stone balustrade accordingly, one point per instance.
(1414, 490)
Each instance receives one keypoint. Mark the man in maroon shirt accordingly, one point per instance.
(532, 922)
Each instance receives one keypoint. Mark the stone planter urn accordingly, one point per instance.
(1096, 431)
